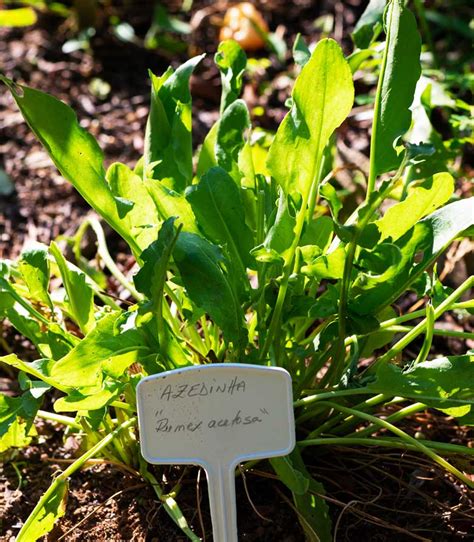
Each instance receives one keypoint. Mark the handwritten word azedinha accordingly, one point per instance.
(202, 389)
(163, 425)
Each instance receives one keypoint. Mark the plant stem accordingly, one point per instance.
(408, 439)
(436, 331)
(426, 347)
(169, 504)
(287, 269)
(336, 368)
(329, 395)
(389, 442)
(418, 329)
(420, 313)
(335, 419)
(103, 252)
(395, 417)
(61, 479)
(373, 138)
(59, 418)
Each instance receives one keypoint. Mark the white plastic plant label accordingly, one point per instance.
(216, 416)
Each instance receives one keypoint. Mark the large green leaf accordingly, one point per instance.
(211, 285)
(168, 138)
(53, 342)
(73, 150)
(444, 383)
(399, 73)
(80, 295)
(50, 339)
(421, 201)
(134, 204)
(428, 239)
(322, 98)
(106, 345)
(219, 210)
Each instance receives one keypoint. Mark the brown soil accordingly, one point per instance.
(107, 504)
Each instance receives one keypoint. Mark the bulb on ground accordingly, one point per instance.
(244, 24)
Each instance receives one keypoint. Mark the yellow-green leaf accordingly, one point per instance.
(322, 98)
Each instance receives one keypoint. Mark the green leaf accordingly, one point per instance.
(171, 204)
(79, 293)
(382, 257)
(168, 138)
(43, 518)
(318, 233)
(444, 383)
(422, 200)
(50, 339)
(380, 338)
(104, 349)
(16, 420)
(141, 217)
(230, 138)
(321, 99)
(280, 236)
(73, 150)
(328, 192)
(39, 369)
(326, 304)
(328, 266)
(313, 511)
(13, 18)
(231, 61)
(428, 238)
(75, 401)
(356, 59)
(301, 52)
(369, 25)
(34, 267)
(400, 71)
(210, 285)
(291, 477)
(219, 210)
(151, 277)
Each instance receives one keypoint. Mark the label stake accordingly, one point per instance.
(216, 416)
